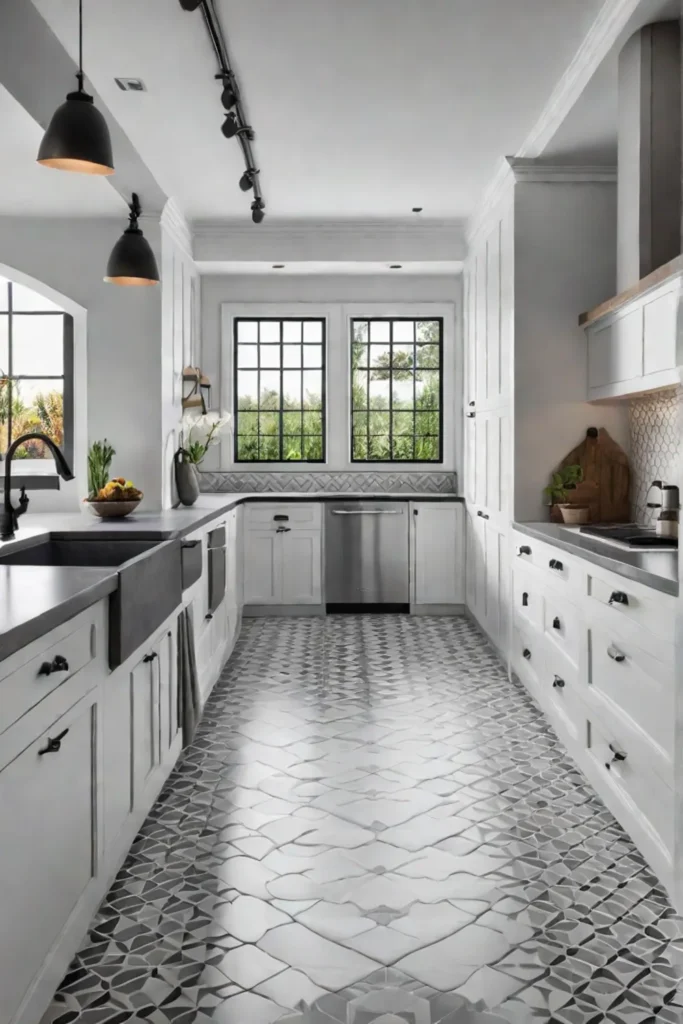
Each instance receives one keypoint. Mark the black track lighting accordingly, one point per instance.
(247, 179)
(190, 5)
(132, 261)
(77, 137)
(230, 126)
(229, 94)
(258, 211)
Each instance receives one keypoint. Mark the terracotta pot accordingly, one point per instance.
(186, 478)
(575, 515)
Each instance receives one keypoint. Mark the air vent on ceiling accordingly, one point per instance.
(131, 84)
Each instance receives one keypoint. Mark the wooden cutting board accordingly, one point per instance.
(606, 478)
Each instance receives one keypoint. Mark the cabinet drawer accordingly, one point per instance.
(621, 760)
(555, 564)
(560, 693)
(562, 626)
(627, 603)
(527, 600)
(299, 515)
(623, 676)
(51, 665)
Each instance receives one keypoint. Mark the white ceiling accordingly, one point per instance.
(28, 188)
(362, 108)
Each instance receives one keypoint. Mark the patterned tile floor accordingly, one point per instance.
(373, 826)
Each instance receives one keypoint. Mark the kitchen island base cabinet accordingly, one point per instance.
(437, 561)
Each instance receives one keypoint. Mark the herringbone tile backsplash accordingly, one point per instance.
(358, 482)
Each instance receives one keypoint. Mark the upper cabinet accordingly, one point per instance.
(632, 344)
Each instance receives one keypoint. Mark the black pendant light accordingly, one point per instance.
(77, 137)
(132, 261)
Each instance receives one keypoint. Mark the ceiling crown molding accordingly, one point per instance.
(537, 171)
(173, 222)
(605, 31)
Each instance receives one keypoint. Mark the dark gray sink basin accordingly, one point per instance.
(97, 553)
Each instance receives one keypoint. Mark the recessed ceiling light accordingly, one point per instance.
(131, 84)
(278, 266)
(396, 266)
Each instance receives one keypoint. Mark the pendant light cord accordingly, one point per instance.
(79, 76)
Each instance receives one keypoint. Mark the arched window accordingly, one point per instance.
(36, 372)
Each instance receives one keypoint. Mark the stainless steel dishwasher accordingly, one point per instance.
(366, 556)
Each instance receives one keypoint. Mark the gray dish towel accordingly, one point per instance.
(189, 710)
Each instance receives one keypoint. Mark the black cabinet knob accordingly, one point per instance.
(558, 683)
(150, 657)
(472, 403)
(618, 597)
(525, 599)
(471, 415)
(58, 664)
(618, 755)
(526, 653)
(54, 744)
(524, 550)
(554, 563)
(615, 654)
(556, 623)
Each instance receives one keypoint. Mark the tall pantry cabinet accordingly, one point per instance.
(543, 251)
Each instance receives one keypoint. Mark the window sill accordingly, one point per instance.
(33, 481)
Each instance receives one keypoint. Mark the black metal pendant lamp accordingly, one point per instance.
(132, 261)
(77, 137)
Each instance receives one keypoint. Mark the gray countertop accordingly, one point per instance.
(654, 568)
(35, 599)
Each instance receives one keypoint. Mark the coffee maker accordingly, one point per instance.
(666, 524)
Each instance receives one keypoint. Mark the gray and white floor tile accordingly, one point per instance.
(374, 826)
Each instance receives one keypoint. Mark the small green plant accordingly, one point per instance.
(100, 455)
(562, 482)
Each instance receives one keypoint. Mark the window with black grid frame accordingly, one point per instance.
(397, 389)
(279, 400)
(36, 371)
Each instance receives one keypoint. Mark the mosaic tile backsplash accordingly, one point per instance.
(365, 481)
(655, 424)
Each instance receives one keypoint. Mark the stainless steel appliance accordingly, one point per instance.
(366, 556)
(632, 534)
(216, 552)
(669, 506)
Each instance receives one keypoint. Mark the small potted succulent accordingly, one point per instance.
(199, 434)
(559, 490)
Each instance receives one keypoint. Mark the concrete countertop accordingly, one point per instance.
(654, 568)
(35, 599)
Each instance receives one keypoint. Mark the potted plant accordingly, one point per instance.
(562, 483)
(199, 434)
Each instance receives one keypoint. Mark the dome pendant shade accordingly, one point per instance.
(77, 138)
(132, 261)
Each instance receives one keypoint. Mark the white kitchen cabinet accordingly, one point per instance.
(437, 554)
(48, 804)
(633, 349)
(488, 585)
(146, 737)
(283, 555)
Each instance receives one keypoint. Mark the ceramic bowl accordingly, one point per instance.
(112, 509)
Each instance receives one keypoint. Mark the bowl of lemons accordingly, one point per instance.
(118, 498)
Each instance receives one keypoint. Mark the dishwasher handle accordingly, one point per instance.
(366, 512)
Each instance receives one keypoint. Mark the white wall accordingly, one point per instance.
(117, 374)
(320, 291)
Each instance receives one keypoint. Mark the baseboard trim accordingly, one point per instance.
(438, 609)
(296, 611)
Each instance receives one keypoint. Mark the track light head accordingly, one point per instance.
(258, 211)
(230, 126)
(247, 179)
(190, 5)
(229, 94)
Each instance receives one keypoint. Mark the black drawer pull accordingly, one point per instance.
(526, 653)
(619, 755)
(472, 403)
(209, 615)
(558, 683)
(54, 744)
(150, 657)
(525, 600)
(284, 529)
(483, 515)
(556, 623)
(281, 519)
(58, 664)
(615, 654)
(471, 415)
(524, 550)
(555, 564)
(618, 597)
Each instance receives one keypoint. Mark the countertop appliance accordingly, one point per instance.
(366, 556)
(669, 506)
(632, 534)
